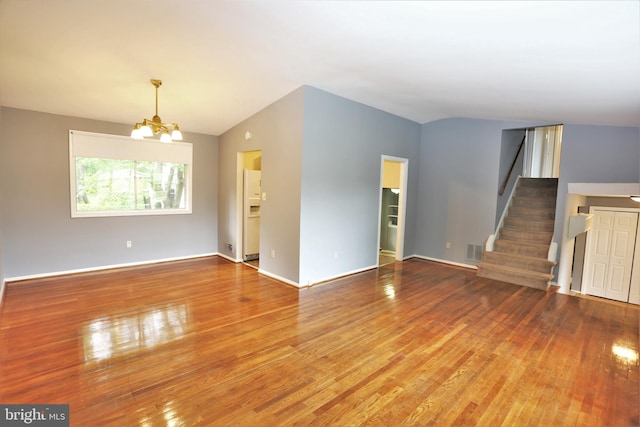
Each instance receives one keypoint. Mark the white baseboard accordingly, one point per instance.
(264, 272)
(444, 261)
(105, 267)
(278, 278)
(228, 258)
(2, 288)
(338, 276)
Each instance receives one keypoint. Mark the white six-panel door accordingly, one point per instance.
(610, 252)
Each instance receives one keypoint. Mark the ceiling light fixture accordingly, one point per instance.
(635, 198)
(148, 128)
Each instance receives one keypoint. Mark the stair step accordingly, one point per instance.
(539, 182)
(535, 202)
(538, 192)
(522, 248)
(528, 236)
(514, 275)
(532, 213)
(540, 265)
(529, 224)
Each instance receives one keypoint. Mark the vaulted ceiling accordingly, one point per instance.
(222, 61)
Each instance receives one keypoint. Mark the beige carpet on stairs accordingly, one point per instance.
(522, 244)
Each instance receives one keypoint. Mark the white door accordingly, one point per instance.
(611, 243)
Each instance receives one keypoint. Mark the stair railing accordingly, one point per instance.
(492, 238)
(513, 165)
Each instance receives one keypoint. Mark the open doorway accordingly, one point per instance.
(251, 165)
(392, 209)
(542, 152)
(529, 153)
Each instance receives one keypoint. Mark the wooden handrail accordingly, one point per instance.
(506, 181)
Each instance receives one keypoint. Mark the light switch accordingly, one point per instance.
(264, 196)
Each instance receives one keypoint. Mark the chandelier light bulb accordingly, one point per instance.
(176, 135)
(165, 137)
(136, 133)
(146, 131)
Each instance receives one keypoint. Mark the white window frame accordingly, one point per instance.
(99, 145)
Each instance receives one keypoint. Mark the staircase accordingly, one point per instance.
(521, 248)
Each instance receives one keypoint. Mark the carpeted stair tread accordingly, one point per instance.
(514, 275)
(522, 235)
(522, 248)
(517, 270)
(529, 224)
(532, 213)
(541, 265)
(539, 182)
(538, 189)
(530, 201)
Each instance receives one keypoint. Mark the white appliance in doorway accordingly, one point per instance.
(251, 215)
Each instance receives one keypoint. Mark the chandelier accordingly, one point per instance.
(147, 128)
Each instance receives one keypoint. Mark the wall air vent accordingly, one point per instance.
(474, 252)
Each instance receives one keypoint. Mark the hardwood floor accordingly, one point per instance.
(208, 342)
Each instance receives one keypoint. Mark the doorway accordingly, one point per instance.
(393, 183)
(609, 260)
(542, 152)
(529, 153)
(251, 170)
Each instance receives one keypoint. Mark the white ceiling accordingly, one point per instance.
(222, 61)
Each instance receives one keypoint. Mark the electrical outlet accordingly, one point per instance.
(273, 253)
(129, 244)
(229, 247)
(448, 245)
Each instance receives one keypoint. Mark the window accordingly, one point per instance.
(114, 175)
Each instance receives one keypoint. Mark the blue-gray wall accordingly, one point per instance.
(459, 164)
(277, 131)
(2, 203)
(321, 159)
(344, 142)
(321, 172)
(599, 154)
(593, 154)
(459, 168)
(40, 237)
(510, 148)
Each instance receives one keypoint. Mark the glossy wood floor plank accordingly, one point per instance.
(208, 342)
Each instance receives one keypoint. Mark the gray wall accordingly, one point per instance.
(321, 158)
(277, 131)
(511, 140)
(459, 164)
(321, 172)
(591, 154)
(38, 233)
(341, 164)
(602, 154)
(2, 203)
